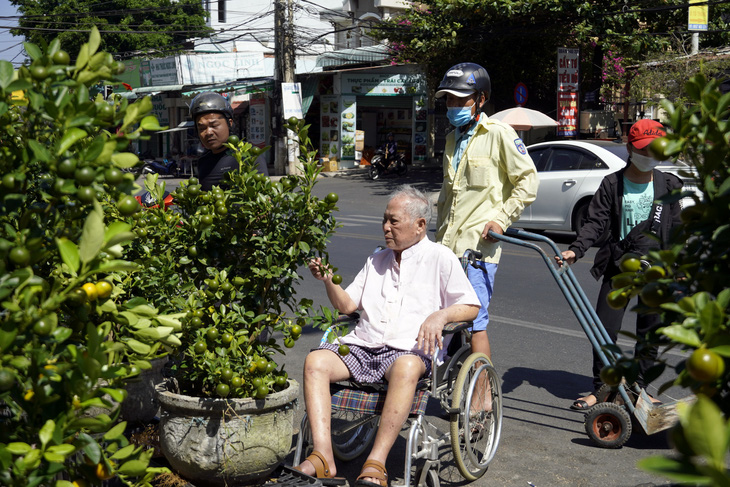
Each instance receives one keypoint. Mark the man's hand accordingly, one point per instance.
(568, 257)
(319, 271)
(493, 226)
(430, 334)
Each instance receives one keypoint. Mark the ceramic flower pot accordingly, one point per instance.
(214, 442)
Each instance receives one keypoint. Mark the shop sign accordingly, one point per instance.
(420, 128)
(568, 60)
(130, 76)
(257, 122)
(567, 114)
(347, 124)
(218, 68)
(159, 72)
(698, 16)
(383, 84)
(159, 109)
(329, 138)
(291, 94)
(568, 89)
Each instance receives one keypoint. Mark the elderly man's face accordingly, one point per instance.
(213, 130)
(399, 229)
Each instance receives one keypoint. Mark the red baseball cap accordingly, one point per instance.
(644, 131)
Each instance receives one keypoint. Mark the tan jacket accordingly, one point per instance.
(495, 181)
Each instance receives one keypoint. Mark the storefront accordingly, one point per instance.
(376, 103)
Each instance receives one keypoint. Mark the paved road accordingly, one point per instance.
(538, 347)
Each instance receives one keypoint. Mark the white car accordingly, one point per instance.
(570, 173)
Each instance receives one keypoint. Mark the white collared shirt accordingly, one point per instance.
(396, 299)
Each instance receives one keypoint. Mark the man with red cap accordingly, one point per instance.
(626, 207)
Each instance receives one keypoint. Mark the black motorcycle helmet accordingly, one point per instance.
(209, 102)
(464, 79)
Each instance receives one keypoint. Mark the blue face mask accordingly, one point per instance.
(459, 116)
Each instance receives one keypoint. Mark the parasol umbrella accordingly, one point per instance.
(521, 118)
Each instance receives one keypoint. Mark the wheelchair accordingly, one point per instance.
(463, 383)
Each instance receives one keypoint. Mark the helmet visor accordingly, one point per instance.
(459, 93)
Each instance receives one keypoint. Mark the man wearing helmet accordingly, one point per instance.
(488, 181)
(213, 119)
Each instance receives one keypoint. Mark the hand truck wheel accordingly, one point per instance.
(608, 425)
(475, 432)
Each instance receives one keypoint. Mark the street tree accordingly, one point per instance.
(155, 27)
(518, 41)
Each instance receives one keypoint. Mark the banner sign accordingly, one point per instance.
(291, 94)
(347, 126)
(568, 90)
(257, 122)
(383, 84)
(218, 68)
(568, 60)
(698, 16)
(567, 114)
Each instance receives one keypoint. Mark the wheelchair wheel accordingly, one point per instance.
(352, 433)
(475, 432)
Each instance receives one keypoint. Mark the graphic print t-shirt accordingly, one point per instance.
(636, 207)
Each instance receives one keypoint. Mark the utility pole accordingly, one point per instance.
(285, 156)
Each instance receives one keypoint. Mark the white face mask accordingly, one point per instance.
(643, 163)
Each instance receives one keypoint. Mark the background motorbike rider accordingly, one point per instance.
(390, 150)
(213, 117)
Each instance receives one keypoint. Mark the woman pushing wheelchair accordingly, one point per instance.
(406, 294)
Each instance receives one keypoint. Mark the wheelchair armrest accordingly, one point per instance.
(455, 327)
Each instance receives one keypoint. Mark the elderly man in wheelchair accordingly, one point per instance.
(406, 293)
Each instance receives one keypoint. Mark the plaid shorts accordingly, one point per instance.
(368, 365)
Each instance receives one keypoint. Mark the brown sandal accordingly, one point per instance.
(322, 470)
(381, 474)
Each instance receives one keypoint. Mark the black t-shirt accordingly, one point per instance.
(212, 167)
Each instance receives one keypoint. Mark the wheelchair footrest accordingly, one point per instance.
(286, 476)
(372, 402)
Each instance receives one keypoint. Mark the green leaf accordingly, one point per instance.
(46, 432)
(6, 74)
(118, 266)
(69, 254)
(53, 457)
(18, 448)
(116, 431)
(19, 85)
(92, 236)
(118, 395)
(124, 452)
(63, 449)
(33, 51)
(40, 151)
(133, 467)
(150, 123)
(94, 40)
(138, 347)
(114, 229)
(711, 318)
(674, 469)
(705, 430)
(125, 160)
(72, 135)
(680, 334)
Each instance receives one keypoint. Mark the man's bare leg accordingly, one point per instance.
(482, 398)
(321, 368)
(402, 379)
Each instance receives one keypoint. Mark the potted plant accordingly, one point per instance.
(235, 253)
(65, 345)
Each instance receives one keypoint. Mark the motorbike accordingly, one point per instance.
(164, 168)
(377, 165)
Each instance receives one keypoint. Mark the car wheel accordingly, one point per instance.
(579, 216)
